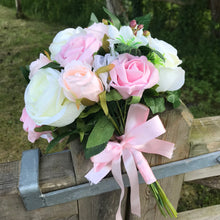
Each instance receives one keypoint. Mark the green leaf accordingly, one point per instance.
(104, 69)
(92, 110)
(114, 19)
(83, 126)
(101, 52)
(81, 135)
(174, 98)
(151, 92)
(80, 124)
(159, 55)
(113, 95)
(155, 104)
(102, 98)
(145, 50)
(101, 134)
(95, 150)
(105, 43)
(93, 19)
(151, 54)
(56, 140)
(25, 71)
(53, 65)
(134, 100)
(145, 20)
(124, 48)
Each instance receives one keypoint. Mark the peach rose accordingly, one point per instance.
(78, 81)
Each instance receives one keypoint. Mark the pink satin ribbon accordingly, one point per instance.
(139, 137)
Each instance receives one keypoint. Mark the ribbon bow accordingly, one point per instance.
(139, 137)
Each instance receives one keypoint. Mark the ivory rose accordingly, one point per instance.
(132, 75)
(61, 39)
(45, 102)
(78, 81)
(37, 64)
(171, 79)
(29, 125)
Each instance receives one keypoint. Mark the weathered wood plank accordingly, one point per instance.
(207, 213)
(202, 173)
(205, 135)
(11, 208)
(56, 172)
(205, 138)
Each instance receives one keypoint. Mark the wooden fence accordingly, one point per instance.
(192, 137)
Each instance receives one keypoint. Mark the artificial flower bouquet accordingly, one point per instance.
(99, 84)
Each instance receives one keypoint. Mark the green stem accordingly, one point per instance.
(125, 109)
(162, 200)
(119, 108)
(114, 123)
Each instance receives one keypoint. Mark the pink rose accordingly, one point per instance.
(98, 30)
(132, 75)
(81, 47)
(80, 82)
(37, 64)
(29, 125)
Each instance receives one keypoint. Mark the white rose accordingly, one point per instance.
(61, 39)
(45, 101)
(169, 52)
(170, 79)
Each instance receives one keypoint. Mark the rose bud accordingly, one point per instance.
(133, 24)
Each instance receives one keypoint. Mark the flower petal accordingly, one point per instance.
(170, 79)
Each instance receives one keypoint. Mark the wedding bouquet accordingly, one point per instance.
(98, 84)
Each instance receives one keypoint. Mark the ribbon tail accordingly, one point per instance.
(96, 176)
(157, 146)
(116, 171)
(133, 179)
(143, 167)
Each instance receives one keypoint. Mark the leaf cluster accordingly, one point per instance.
(157, 101)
